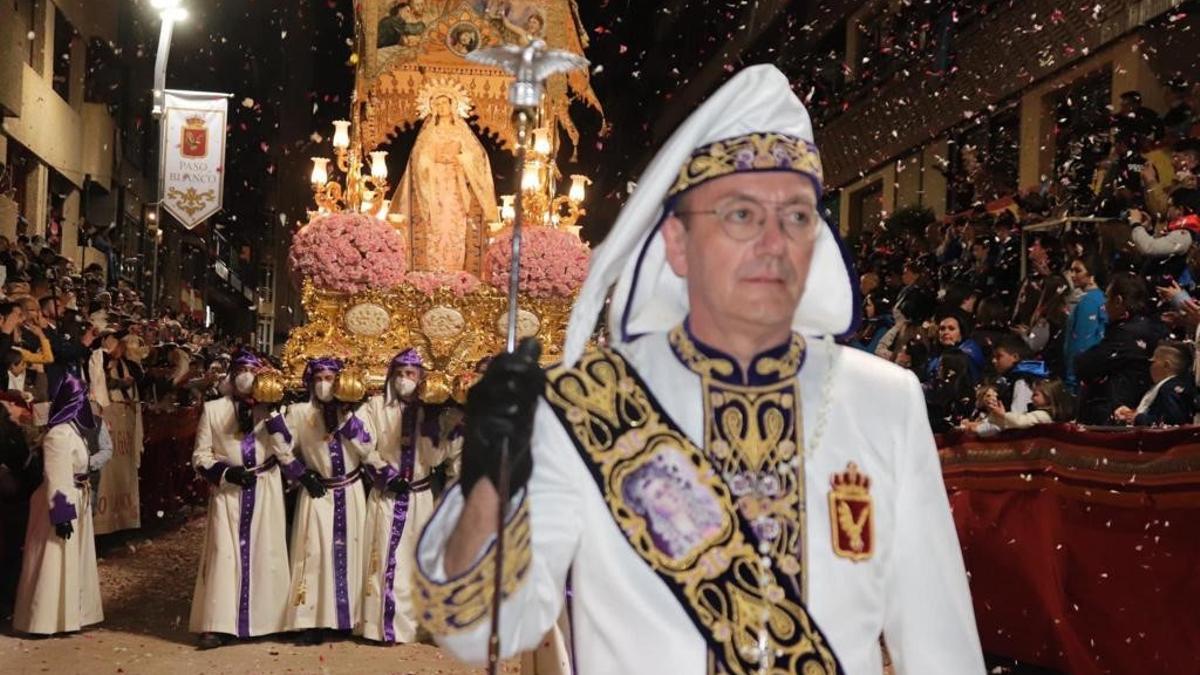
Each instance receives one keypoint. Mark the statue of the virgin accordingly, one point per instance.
(446, 195)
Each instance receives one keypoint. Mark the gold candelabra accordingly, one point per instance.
(365, 188)
(539, 203)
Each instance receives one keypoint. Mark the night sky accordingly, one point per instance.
(287, 65)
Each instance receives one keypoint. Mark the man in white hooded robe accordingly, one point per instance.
(706, 480)
(326, 443)
(242, 584)
(412, 441)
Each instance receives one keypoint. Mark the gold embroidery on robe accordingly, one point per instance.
(754, 435)
(458, 604)
(644, 466)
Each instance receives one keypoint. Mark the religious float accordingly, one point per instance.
(426, 264)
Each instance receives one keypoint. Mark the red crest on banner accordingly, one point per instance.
(194, 142)
(850, 516)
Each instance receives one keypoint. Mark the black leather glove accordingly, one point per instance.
(240, 475)
(441, 471)
(500, 409)
(399, 486)
(312, 482)
(64, 530)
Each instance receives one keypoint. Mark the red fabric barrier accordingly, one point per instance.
(166, 479)
(1083, 547)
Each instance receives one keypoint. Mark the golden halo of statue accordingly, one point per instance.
(460, 100)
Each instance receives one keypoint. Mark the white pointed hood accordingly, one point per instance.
(649, 297)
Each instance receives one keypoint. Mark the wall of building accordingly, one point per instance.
(1130, 72)
(993, 66)
(13, 46)
(914, 178)
(68, 138)
(50, 128)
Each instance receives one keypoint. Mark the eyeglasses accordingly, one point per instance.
(745, 219)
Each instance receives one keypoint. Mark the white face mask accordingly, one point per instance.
(244, 382)
(324, 391)
(405, 386)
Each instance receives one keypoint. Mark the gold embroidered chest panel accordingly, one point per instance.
(701, 518)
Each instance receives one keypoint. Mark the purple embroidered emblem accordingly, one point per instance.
(680, 514)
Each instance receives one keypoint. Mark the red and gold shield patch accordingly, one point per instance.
(194, 142)
(850, 516)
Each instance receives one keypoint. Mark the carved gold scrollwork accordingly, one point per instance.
(452, 333)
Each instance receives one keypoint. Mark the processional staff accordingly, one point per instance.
(530, 66)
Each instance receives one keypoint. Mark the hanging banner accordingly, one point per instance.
(193, 155)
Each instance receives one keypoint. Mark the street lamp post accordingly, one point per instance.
(170, 11)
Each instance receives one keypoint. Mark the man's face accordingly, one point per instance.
(324, 376)
(908, 277)
(1160, 366)
(1004, 360)
(760, 280)
(949, 332)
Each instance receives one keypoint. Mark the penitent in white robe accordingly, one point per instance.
(395, 521)
(327, 532)
(59, 589)
(242, 585)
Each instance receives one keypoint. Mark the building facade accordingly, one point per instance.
(58, 139)
(909, 104)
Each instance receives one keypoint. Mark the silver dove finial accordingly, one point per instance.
(530, 66)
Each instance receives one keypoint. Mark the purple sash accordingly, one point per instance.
(408, 452)
(245, 518)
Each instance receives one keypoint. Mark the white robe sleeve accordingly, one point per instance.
(204, 460)
(446, 447)
(929, 624)
(58, 466)
(359, 445)
(541, 537)
(281, 442)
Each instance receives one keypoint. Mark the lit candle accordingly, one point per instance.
(379, 164)
(532, 178)
(576, 192)
(341, 134)
(320, 174)
(541, 141)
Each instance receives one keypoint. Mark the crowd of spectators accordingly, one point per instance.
(1093, 321)
(57, 322)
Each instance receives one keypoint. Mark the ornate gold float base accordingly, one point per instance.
(452, 333)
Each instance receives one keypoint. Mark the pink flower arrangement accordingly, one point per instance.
(553, 263)
(458, 283)
(349, 252)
